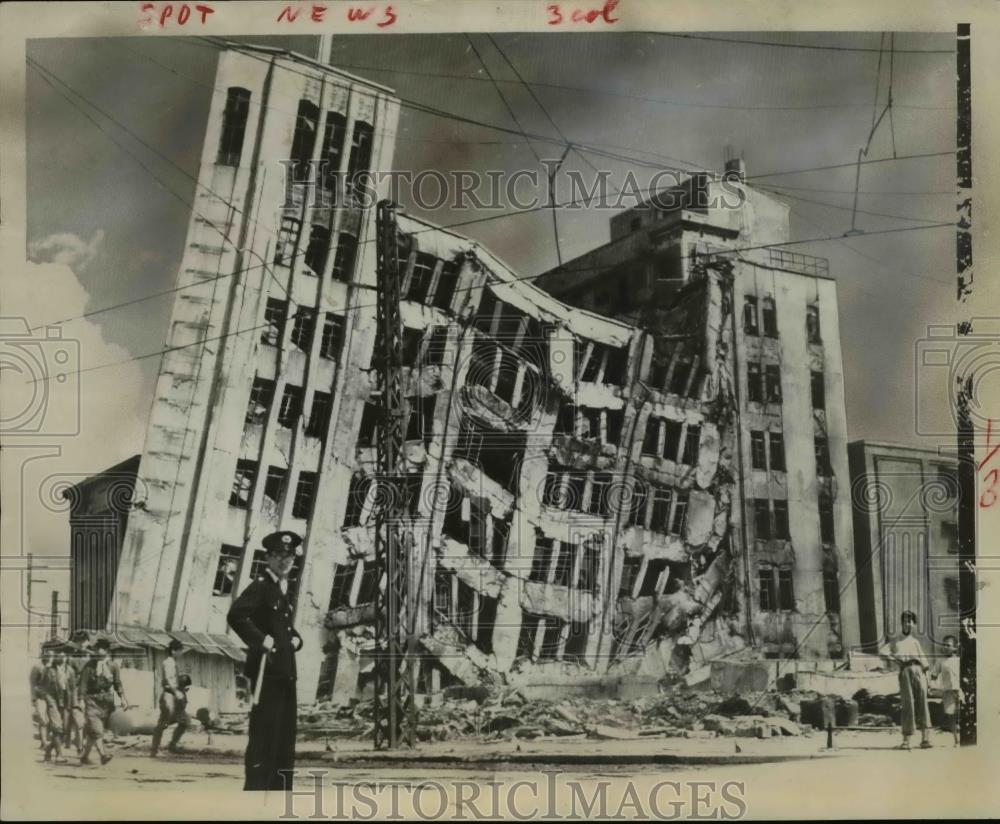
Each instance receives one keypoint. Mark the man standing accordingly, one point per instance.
(54, 688)
(262, 617)
(173, 701)
(99, 680)
(39, 708)
(75, 721)
(908, 654)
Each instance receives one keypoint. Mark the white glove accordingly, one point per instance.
(268, 643)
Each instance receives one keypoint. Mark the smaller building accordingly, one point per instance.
(905, 503)
(99, 510)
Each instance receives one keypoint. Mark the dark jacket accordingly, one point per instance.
(262, 610)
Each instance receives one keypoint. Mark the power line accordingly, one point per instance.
(774, 44)
(854, 210)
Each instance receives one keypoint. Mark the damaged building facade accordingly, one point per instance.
(585, 492)
(791, 536)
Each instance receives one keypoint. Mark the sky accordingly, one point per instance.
(106, 228)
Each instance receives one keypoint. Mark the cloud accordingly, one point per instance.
(66, 248)
(66, 429)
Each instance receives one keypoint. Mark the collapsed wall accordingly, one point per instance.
(570, 480)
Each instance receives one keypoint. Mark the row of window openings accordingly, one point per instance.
(678, 374)
(227, 570)
(317, 249)
(470, 523)
(771, 521)
(673, 440)
(303, 328)
(472, 612)
(262, 398)
(362, 498)
(545, 638)
(575, 565)
(234, 124)
(498, 369)
(419, 422)
(763, 319)
(275, 483)
(767, 451)
(643, 577)
(354, 585)
(777, 592)
(764, 385)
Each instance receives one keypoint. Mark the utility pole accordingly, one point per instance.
(54, 620)
(395, 687)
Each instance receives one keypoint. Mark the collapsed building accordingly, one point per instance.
(578, 486)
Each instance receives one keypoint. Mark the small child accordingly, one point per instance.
(945, 674)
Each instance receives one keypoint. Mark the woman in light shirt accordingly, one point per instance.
(908, 654)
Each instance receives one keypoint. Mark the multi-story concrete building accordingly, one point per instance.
(905, 538)
(792, 525)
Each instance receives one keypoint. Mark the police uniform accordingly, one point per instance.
(262, 610)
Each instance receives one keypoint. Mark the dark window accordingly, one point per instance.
(412, 338)
(614, 419)
(333, 148)
(616, 366)
(436, 346)
(818, 388)
(550, 639)
(288, 237)
(357, 493)
(369, 423)
(455, 525)
(465, 608)
(507, 376)
(672, 441)
(630, 571)
(319, 415)
(654, 569)
(564, 565)
(565, 419)
(318, 249)
(261, 398)
(786, 593)
(542, 558)
(769, 318)
(637, 505)
(590, 566)
(781, 520)
(772, 383)
(831, 590)
(447, 281)
(826, 520)
(949, 534)
(442, 592)
(304, 139)
(258, 564)
(343, 579)
(361, 156)
(812, 324)
(303, 328)
(750, 315)
(420, 425)
(501, 532)
(758, 458)
(651, 440)
(274, 485)
(234, 126)
(576, 641)
(420, 279)
(680, 513)
(768, 597)
(343, 260)
(821, 447)
(291, 406)
(527, 636)
(227, 570)
(591, 420)
(660, 522)
(413, 483)
(777, 446)
(333, 336)
(599, 503)
(691, 444)
(246, 471)
(593, 366)
(486, 622)
(754, 387)
(274, 321)
(305, 494)
(369, 583)
(682, 374)
(761, 519)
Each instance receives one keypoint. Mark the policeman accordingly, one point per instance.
(262, 617)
